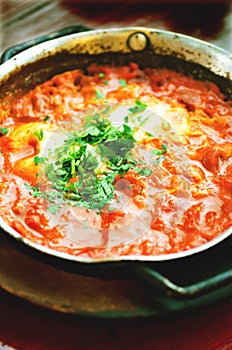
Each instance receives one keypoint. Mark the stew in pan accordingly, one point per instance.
(117, 161)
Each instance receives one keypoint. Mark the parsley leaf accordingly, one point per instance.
(38, 160)
(99, 95)
(138, 108)
(126, 119)
(53, 209)
(3, 131)
(144, 171)
(157, 152)
(84, 169)
(34, 190)
(39, 134)
(122, 82)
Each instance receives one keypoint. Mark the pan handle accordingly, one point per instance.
(159, 282)
(12, 51)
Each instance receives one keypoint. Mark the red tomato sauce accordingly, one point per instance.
(185, 202)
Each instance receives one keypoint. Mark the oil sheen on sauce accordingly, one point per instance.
(181, 196)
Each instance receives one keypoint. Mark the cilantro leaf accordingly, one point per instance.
(122, 82)
(126, 119)
(138, 108)
(157, 152)
(85, 167)
(53, 209)
(144, 171)
(38, 160)
(99, 95)
(39, 134)
(3, 131)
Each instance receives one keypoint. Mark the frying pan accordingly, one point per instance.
(31, 63)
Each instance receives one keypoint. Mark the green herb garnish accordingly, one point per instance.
(144, 171)
(83, 171)
(39, 134)
(106, 110)
(34, 191)
(53, 209)
(38, 160)
(138, 108)
(126, 119)
(89, 161)
(3, 131)
(99, 95)
(28, 186)
(157, 152)
(122, 82)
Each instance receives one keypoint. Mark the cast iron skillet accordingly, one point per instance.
(203, 271)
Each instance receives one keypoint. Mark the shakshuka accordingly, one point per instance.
(117, 161)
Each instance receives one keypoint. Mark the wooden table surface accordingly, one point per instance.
(31, 327)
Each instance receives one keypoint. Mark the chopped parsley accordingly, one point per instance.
(39, 134)
(53, 209)
(84, 170)
(28, 186)
(88, 163)
(126, 119)
(157, 152)
(38, 160)
(144, 171)
(3, 131)
(106, 110)
(138, 108)
(34, 190)
(99, 95)
(122, 82)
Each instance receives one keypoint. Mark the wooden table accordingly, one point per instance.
(32, 327)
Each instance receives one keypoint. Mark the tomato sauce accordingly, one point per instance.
(184, 202)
